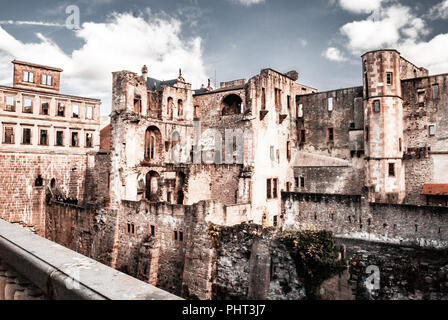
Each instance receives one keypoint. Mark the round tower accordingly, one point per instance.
(383, 121)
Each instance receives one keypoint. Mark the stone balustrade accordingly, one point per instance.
(34, 268)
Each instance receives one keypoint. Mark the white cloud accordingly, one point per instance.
(385, 28)
(248, 2)
(124, 42)
(303, 43)
(361, 6)
(440, 11)
(334, 54)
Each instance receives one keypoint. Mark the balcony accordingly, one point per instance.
(34, 268)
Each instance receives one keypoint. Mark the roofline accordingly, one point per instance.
(281, 73)
(50, 93)
(378, 50)
(24, 63)
(429, 76)
(225, 89)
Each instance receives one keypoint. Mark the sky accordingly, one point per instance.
(218, 39)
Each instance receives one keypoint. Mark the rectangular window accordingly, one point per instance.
(263, 98)
(61, 109)
(289, 102)
(376, 106)
(300, 111)
(75, 139)
(274, 191)
(181, 236)
(435, 91)
(43, 138)
(45, 107)
(367, 133)
(278, 98)
(288, 186)
(10, 104)
(297, 182)
(28, 77)
(89, 113)
(302, 182)
(59, 138)
(400, 145)
(288, 151)
(302, 136)
(89, 140)
(75, 110)
(8, 135)
(391, 170)
(389, 78)
(275, 221)
(175, 235)
(153, 231)
(26, 139)
(27, 105)
(269, 189)
(432, 130)
(330, 104)
(330, 134)
(46, 80)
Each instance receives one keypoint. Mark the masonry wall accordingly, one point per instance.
(353, 217)
(24, 202)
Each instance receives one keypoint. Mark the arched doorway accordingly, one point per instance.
(152, 186)
(231, 105)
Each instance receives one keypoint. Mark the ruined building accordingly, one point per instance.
(178, 165)
(48, 143)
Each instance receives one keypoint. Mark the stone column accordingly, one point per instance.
(2, 281)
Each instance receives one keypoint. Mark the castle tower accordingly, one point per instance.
(383, 120)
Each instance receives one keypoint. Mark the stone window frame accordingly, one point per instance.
(432, 130)
(91, 141)
(61, 104)
(73, 109)
(30, 128)
(433, 87)
(12, 136)
(389, 78)
(57, 130)
(377, 106)
(130, 228)
(73, 131)
(28, 76)
(47, 136)
(44, 80)
(42, 101)
(25, 98)
(391, 170)
(10, 107)
(330, 104)
(91, 108)
(272, 188)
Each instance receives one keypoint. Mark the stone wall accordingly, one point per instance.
(353, 217)
(23, 201)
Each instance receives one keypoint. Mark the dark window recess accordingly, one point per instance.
(391, 170)
(45, 107)
(75, 139)
(367, 133)
(302, 136)
(275, 221)
(26, 136)
(297, 182)
(89, 140)
(263, 98)
(43, 137)
(330, 134)
(302, 182)
(8, 136)
(61, 109)
(153, 231)
(268, 189)
(275, 185)
(27, 105)
(39, 182)
(288, 151)
(181, 236)
(389, 78)
(175, 235)
(289, 102)
(59, 138)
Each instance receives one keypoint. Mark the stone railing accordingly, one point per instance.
(34, 268)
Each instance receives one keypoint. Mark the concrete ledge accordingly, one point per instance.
(63, 274)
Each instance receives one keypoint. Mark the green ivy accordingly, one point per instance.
(316, 257)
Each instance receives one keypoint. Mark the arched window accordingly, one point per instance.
(180, 108)
(170, 107)
(152, 186)
(231, 105)
(153, 140)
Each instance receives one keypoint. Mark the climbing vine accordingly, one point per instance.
(316, 257)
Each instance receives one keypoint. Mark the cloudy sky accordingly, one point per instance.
(232, 39)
